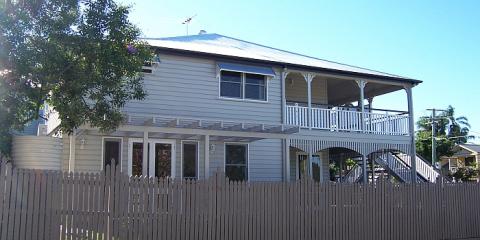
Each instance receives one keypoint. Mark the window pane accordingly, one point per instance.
(255, 87)
(236, 154)
(111, 152)
(137, 159)
(256, 92)
(231, 84)
(236, 173)
(228, 89)
(255, 79)
(190, 160)
(231, 77)
(163, 157)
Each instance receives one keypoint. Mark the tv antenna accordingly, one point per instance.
(187, 21)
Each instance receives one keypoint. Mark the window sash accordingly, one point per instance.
(108, 151)
(259, 94)
(195, 160)
(236, 166)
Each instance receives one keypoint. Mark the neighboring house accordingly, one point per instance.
(465, 156)
(219, 104)
(34, 147)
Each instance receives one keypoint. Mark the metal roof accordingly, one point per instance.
(471, 147)
(231, 47)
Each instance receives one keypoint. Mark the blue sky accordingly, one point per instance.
(434, 41)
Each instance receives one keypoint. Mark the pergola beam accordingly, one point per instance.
(257, 128)
(194, 124)
(149, 121)
(236, 127)
(173, 123)
(242, 134)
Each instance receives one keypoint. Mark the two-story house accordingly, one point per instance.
(256, 113)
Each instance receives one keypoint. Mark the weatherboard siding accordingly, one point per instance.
(264, 161)
(296, 90)
(188, 87)
(37, 152)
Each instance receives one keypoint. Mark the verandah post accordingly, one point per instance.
(411, 131)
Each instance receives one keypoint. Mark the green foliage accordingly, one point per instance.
(350, 163)
(465, 174)
(82, 57)
(450, 130)
(334, 170)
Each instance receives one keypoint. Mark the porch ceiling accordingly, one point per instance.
(346, 91)
(339, 91)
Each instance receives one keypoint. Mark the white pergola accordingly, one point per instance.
(167, 127)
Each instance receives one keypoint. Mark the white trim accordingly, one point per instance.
(242, 98)
(121, 151)
(256, 73)
(151, 162)
(225, 157)
(130, 152)
(206, 156)
(197, 143)
(302, 153)
(150, 154)
(71, 156)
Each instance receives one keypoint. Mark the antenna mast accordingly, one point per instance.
(187, 21)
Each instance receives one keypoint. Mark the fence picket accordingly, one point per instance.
(38, 204)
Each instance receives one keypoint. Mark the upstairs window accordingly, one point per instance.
(231, 84)
(243, 85)
(255, 87)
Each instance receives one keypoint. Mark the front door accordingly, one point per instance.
(302, 166)
(160, 158)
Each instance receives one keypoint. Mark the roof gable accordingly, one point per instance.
(232, 47)
(470, 147)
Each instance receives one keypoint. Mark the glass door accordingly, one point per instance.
(302, 166)
(160, 159)
(162, 154)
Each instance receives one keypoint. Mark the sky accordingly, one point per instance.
(437, 42)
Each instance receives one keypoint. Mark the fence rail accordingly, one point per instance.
(110, 205)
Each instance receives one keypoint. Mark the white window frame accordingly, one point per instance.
(151, 156)
(297, 162)
(197, 167)
(130, 152)
(103, 153)
(242, 85)
(225, 157)
(150, 162)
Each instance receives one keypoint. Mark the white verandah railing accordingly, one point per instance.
(348, 120)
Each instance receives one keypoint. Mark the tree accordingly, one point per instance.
(83, 57)
(450, 130)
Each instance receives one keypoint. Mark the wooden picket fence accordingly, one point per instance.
(36, 204)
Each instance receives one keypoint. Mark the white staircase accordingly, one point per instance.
(424, 170)
(398, 165)
(395, 166)
(354, 175)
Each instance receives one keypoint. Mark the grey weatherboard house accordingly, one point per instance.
(220, 104)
